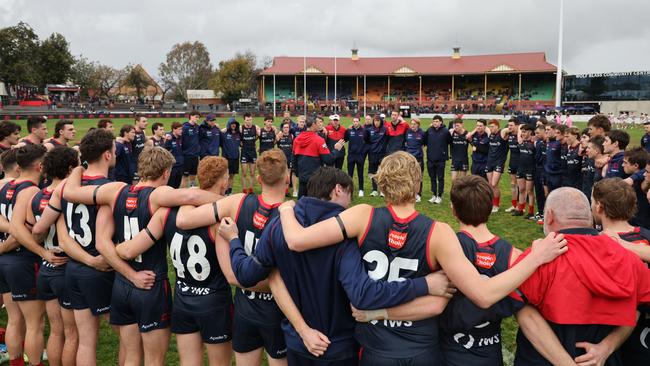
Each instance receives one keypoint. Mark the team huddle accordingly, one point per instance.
(88, 231)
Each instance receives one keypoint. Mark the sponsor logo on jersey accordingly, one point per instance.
(396, 239)
(259, 220)
(43, 204)
(131, 203)
(10, 194)
(485, 260)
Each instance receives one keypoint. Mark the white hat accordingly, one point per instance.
(382, 116)
(334, 117)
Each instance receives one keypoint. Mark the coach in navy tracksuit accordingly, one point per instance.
(357, 150)
(310, 153)
(553, 163)
(437, 141)
(322, 282)
(209, 137)
(191, 146)
(413, 141)
(174, 143)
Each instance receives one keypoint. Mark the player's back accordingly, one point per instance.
(394, 249)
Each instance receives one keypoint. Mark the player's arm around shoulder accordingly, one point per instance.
(209, 213)
(166, 196)
(354, 220)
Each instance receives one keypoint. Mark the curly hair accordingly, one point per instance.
(399, 177)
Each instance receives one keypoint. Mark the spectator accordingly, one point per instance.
(437, 139)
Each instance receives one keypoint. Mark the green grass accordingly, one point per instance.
(517, 231)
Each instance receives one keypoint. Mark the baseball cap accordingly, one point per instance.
(210, 117)
(334, 117)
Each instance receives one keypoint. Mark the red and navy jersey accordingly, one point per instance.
(498, 152)
(252, 216)
(588, 175)
(356, 138)
(615, 166)
(458, 147)
(156, 142)
(267, 139)
(394, 249)
(80, 219)
(482, 144)
(395, 134)
(38, 204)
(297, 131)
(131, 213)
(56, 143)
(248, 138)
(194, 258)
(513, 146)
(471, 335)
(634, 351)
(573, 174)
(334, 135)
(8, 195)
(285, 143)
(527, 154)
(413, 142)
(138, 144)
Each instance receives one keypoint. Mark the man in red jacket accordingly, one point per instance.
(310, 152)
(587, 293)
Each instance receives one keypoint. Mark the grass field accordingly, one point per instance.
(516, 230)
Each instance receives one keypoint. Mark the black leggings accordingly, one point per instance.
(373, 165)
(359, 162)
(436, 171)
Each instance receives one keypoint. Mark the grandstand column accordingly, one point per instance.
(327, 91)
(295, 88)
(263, 94)
(453, 80)
(273, 96)
(420, 104)
(485, 88)
(364, 95)
(388, 88)
(357, 98)
(519, 91)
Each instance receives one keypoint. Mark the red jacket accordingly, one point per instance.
(596, 281)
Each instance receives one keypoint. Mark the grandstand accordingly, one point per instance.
(442, 83)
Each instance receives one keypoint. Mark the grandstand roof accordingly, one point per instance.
(439, 65)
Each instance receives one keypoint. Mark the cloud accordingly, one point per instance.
(600, 35)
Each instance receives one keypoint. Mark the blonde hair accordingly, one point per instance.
(153, 162)
(399, 177)
(210, 170)
(272, 166)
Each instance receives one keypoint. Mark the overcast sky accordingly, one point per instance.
(600, 35)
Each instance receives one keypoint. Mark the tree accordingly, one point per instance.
(187, 66)
(236, 77)
(19, 48)
(107, 78)
(135, 77)
(84, 74)
(54, 61)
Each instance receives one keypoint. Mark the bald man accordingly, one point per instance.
(587, 293)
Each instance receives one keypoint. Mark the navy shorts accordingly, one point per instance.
(190, 165)
(527, 173)
(19, 278)
(248, 336)
(51, 285)
(248, 156)
(426, 358)
(214, 323)
(497, 168)
(299, 359)
(459, 166)
(149, 309)
(513, 168)
(233, 166)
(88, 288)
